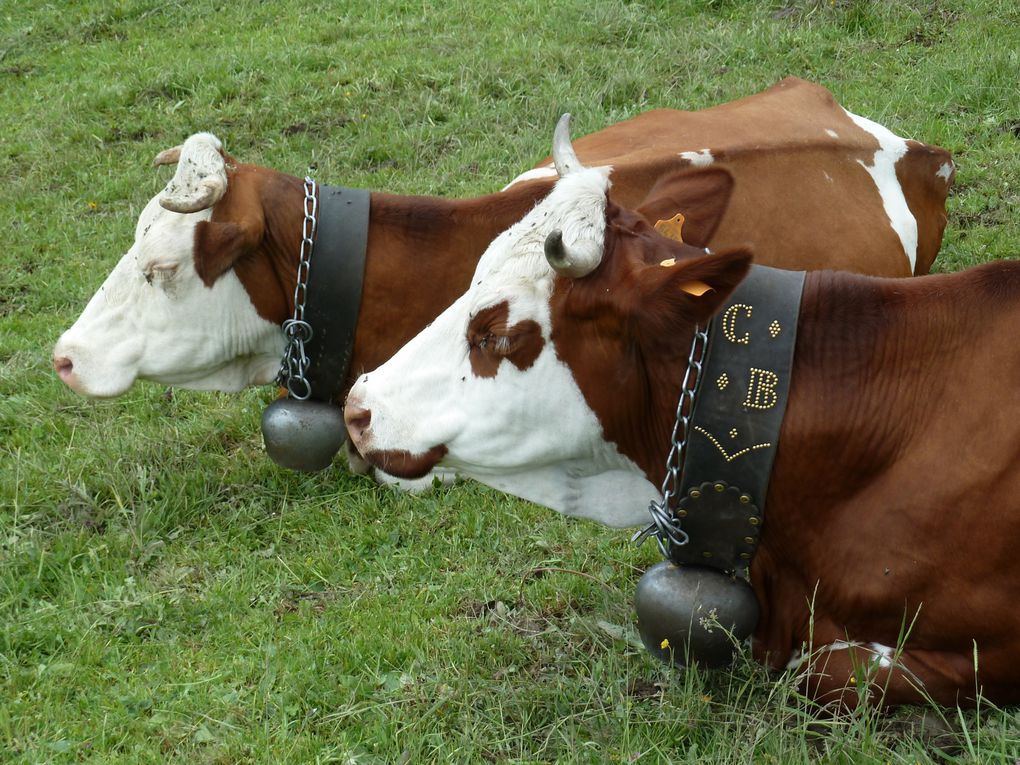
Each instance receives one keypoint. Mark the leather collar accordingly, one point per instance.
(735, 422)
(335, 279)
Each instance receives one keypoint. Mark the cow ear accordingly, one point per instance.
(702, 195)
(692, 290)
(219, 244)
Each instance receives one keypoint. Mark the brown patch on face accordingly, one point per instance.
(491, 341)
(256, 231)
(403, 464)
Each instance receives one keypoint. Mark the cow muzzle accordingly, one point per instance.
(78, 370)
(400, 463)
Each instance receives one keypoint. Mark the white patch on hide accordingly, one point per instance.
(701, 158)
(831, 133)
(946, 171)
(883, 172)
(885, 654)
(530, 175)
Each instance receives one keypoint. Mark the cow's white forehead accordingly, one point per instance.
(162, 233)
(515, 262)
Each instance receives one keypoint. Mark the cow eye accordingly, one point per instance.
(494, 342)
(160, 273)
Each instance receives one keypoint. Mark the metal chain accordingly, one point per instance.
(298, 331)
(664, 525)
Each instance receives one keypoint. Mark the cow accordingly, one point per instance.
(894, 497)
(198, 299)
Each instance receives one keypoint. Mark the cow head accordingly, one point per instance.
(174, 310)
(551, 373)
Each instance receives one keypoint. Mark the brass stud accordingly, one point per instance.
(681, 513)
(754, 520)
(749, 540)
(720, 487)
(706, 554)
(745, 556)
(695, 493)
(745, 499)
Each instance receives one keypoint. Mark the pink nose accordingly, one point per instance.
(64, 367)
(358, 419)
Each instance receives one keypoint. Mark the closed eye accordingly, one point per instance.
(160, 273)
(492, 342)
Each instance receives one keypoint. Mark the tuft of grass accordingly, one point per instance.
(168, 595)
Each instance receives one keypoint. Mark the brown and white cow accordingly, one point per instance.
(198, 299)
(894, 499)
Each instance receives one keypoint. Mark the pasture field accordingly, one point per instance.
(168, 595)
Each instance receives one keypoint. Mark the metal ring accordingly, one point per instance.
(303, 384)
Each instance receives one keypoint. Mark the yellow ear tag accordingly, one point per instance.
(671, 228)
(696, 288)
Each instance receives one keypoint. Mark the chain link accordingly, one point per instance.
(664, 525)
(295, 360)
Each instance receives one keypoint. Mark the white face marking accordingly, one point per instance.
(883, 173)
(831, 133)
(701, 158)
(153, 318)
(946, 171)
(528, 431)
(530, 175)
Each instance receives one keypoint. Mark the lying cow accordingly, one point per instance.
(893, 500)
(199, 298)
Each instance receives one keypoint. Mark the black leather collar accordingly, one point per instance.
(738, 411)
(335, 277)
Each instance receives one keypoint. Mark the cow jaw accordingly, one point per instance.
(154, 319)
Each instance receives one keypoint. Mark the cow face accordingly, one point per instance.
(167, 314)
(510, 385)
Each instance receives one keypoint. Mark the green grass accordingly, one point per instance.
(167, 594)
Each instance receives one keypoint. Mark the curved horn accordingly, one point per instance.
(563, 152)
(168, 156)
(573, 265)
(201, 177)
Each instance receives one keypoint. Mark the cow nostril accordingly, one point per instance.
(357, 419)
(63, 366)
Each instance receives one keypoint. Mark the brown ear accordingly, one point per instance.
(218, 245)
(667, 294)
(701, 194)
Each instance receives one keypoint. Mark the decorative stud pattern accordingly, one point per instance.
(723, 381)
(761, 390)
(733, 433)
(729, 323)
(726, 455)
(775, 328)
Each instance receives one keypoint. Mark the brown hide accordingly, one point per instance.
(894, 491)
(423, 250)
(894, 495)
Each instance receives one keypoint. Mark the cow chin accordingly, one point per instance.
(403, 464)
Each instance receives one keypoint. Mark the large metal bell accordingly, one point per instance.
(303, 435)
(691, 614)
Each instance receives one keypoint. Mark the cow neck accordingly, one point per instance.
(725, 441)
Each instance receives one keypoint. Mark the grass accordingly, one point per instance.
(168, 595)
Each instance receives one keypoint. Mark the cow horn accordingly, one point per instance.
(573, 265)
(563, 152)
(168, 156)
(201, 177)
